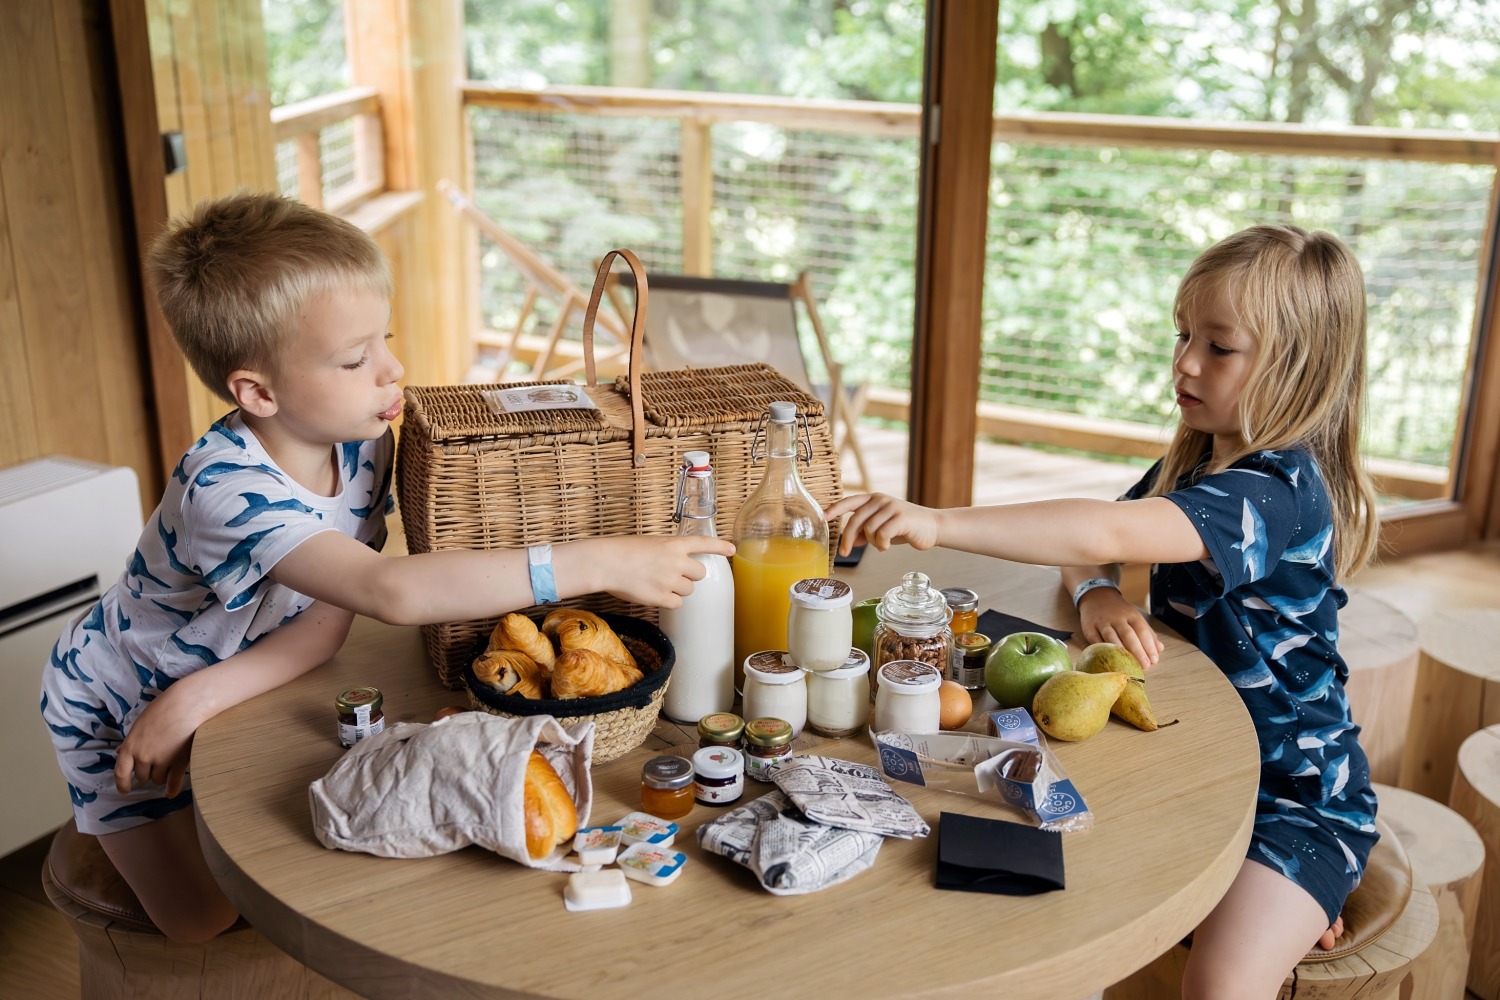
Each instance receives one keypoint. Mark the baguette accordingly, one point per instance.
(551, 817)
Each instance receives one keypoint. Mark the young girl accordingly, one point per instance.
(1256, 514)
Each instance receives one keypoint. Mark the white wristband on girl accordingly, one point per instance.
(543, 583)
(1090, 584)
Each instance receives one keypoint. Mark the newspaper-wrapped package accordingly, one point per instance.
(1027, 776)
(789, 853)
(845, 794)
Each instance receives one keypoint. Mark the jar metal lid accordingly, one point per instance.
(910, 677)
(718, 762)
(667, 772)
(857, 665)
(721, 727)
(768, 732)
(960, 598)
(914, 603)
(356, 698)
(972, 642)
(772, 666)
(822, 593)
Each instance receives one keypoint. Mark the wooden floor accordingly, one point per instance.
(38, 957)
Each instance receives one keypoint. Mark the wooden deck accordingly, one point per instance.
(1002, 473)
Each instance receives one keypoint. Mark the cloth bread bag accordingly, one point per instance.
(418, 790)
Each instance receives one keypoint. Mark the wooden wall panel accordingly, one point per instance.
(69, 318)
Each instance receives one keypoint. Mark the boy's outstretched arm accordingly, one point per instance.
(1047, 533)
(460, 584)
(156, 748)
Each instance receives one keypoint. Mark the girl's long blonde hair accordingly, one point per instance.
(1301, 296)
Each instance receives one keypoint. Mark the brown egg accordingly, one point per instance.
(447, 710)
(957, 705)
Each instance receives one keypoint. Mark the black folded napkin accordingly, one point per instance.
(991, 855)
(997, 625)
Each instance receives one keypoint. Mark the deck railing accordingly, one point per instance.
(1076, 354)
(330, 150)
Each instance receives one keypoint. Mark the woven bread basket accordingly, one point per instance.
(473, 476)
(622, 720)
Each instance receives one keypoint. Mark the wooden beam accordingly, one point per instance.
(696, 175)
(1479, 415)
(148, 195)
(317, 113)
(958, 109)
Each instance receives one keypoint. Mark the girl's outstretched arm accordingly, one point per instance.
(1047, 533)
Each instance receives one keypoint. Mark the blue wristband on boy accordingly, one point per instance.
(543, 583)
(1090, 584)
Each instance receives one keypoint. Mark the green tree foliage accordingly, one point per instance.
(305, 48)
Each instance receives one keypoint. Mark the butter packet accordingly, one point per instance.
(1022, 774)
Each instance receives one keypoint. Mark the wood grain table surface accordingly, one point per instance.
(1172, 809)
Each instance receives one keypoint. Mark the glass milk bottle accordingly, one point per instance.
(780, 537)
(701, 630)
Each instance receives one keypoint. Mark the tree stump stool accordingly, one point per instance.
(1373, 959)
(1476, 797)
(1447, 857)
(122, 956)
(1458, 692)
(1379, 643)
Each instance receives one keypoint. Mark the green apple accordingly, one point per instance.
(1019, 665)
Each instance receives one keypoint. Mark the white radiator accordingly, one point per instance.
(67, 528)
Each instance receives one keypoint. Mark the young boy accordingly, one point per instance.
(266, 542)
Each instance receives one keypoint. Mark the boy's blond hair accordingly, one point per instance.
(1301, 296)
(232, 276)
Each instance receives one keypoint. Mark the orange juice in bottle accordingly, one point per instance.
(780, 537)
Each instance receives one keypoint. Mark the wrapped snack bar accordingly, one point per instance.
(788, 853)
(845, 794)
(1019, 771)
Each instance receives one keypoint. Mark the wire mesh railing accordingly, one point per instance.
(1085, 245)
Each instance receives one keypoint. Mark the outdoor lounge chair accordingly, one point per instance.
(542, 280)
(705, 322)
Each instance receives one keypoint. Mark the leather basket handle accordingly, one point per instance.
(637, 336)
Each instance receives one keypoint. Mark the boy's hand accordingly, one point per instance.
(1107, 617)
(156, 749)
(653, 570)
(881, 520)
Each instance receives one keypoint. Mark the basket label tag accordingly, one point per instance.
(524, 399)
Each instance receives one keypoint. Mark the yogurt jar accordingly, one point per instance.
(775, 687)
(838, 701)
(908, 697)
(820, 623)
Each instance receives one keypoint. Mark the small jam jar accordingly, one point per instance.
(964, 603)
(775, 688)
(820, 623)
(838, 701)
(359, 714)
(768, 742)
(718, 775)
(721, 729)
(667, 787)
(908, 697)
(970, 651)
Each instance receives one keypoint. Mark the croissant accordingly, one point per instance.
(520, 633)
(551, 816)
(582, 673)
(571, 628)
(511, 672)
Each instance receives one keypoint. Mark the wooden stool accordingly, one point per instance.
(1447, 857)
(1383, 967)
(122, 956)
(1458, 692)
(1476, 797)
(1379, 643)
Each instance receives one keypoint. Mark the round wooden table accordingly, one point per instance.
(1173, 812)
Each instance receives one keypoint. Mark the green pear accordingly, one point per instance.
(1073, 705)
(1132, 706)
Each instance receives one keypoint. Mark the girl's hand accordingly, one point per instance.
(881, 521)
(156, 750)
(1107, 617)
(655, 571)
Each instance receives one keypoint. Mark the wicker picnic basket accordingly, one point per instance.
(622, 720)
(473, 476)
